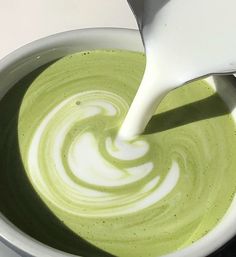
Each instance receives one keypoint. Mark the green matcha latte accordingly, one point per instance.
(148, 197)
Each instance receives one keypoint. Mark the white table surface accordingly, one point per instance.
(22, 21)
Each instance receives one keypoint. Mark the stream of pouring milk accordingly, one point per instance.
(184, 40)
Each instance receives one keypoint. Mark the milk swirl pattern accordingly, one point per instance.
(147, 197)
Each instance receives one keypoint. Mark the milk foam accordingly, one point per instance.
(85, 161)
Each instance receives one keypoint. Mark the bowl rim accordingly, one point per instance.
(23, 243)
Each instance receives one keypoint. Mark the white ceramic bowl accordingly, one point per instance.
(21, 62)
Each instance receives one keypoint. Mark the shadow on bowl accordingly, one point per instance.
(18, 200)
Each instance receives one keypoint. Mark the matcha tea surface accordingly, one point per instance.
(156, 194)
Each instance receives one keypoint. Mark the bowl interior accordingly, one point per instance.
(30, 226)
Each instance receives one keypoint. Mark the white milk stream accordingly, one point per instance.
(184, 40)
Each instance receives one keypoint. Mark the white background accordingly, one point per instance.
(22, 21)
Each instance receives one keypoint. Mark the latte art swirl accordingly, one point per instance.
(80, 160)
(146, 197)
